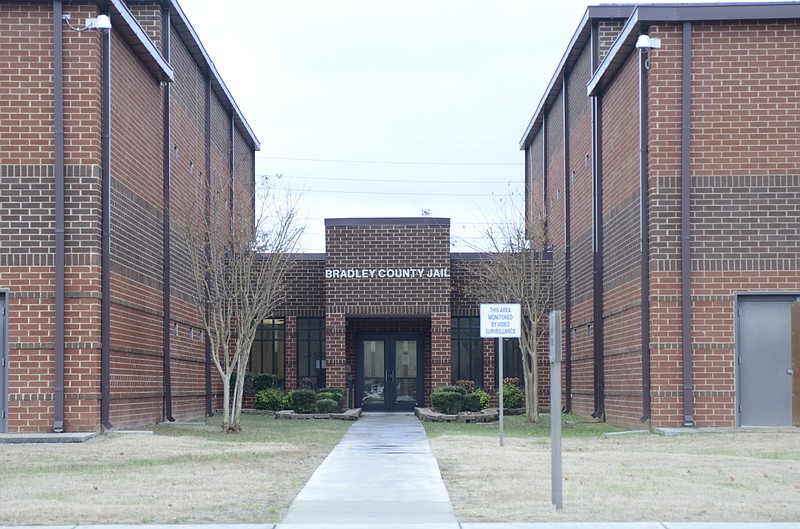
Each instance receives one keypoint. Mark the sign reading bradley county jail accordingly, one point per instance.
(385, 273)
(500, 320)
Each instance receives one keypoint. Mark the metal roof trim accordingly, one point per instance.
(646, 15)
(129, 28)
(580, 37)
(195, 46)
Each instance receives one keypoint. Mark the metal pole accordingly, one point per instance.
(500, 387)
(555, 409)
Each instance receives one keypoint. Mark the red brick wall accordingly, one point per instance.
(27, 225)
(621, 252)
(745, 150)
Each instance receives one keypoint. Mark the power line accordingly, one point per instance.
(420, 142)
(387, 162)
(389, 180)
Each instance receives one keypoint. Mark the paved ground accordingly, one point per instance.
(382, 475)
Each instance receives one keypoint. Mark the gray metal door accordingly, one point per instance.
(764, 361)
(3, 361)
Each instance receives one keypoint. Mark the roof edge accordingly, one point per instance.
(200, 55)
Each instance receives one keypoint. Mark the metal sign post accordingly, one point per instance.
(555, 409)
(500, 321)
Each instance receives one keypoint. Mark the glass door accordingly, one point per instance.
(389, 372)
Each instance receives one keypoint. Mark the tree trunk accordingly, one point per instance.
(226, 399)
(531, 374)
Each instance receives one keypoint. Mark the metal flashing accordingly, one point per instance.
(389, 221)
(576, 44)
(198, 52)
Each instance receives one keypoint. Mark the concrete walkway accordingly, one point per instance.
(382, 475)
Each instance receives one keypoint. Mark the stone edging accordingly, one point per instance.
(348, 415)
(427, 414)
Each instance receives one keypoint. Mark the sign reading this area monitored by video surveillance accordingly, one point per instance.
(500, 320)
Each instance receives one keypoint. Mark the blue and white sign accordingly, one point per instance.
(500, 320)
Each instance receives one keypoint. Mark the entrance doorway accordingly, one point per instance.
(764, 360)
(389, 373)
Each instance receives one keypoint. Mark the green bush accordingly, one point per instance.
(269, 399)
(484, 397)
(263, 381)
(328, 406)
(472, 402)
(303, 400)
(468, 385)
(513, 397)
(447, 402)
(329, 395)
(451, 389)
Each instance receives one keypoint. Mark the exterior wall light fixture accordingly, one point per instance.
(101, 23)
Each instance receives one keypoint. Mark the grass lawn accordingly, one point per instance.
(179, 474)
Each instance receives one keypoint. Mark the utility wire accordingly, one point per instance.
(387, 162)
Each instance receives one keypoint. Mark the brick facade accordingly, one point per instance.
(139, 77)
(743, 179)
(383, 277)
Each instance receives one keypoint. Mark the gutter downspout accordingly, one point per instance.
(567, 250)
(58, 173)
(166, 225)
(597, 239)
(644, 233)
(686, 295)
(105, 279)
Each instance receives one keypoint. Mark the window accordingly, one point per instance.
(268, 354)
(311, 350)
(512, 359)
(467, 350)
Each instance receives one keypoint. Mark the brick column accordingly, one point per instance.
(290, 354)
(441, 372)
(335, 350)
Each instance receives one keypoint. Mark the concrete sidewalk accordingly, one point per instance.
(382, 475)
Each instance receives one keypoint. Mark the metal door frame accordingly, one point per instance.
(743, 297)
(4, 360)
(389, 339)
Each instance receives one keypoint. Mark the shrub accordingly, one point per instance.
(303, 401)
(472, 402)
(468, 385)
(339, 391)
(327, 406)
(447, 402)
(269, 399)
(330, 395)
(452, 389)
(263, 381)
(512, 396)
(511, 381)
(484, 398)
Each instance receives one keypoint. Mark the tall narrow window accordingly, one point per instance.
(311, 351)
(268, 354)
(467, 350)
(512, 359)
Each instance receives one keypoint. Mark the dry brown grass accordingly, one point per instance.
(737, 476)
(182, 474)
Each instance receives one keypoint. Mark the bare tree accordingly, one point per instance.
(239, 252)
(516, 267)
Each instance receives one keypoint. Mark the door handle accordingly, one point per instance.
(390, 376)
(789, 371)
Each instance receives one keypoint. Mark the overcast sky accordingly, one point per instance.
(374, 108)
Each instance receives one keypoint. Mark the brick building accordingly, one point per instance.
(105, 138)
(386, 311)
(668, 173)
